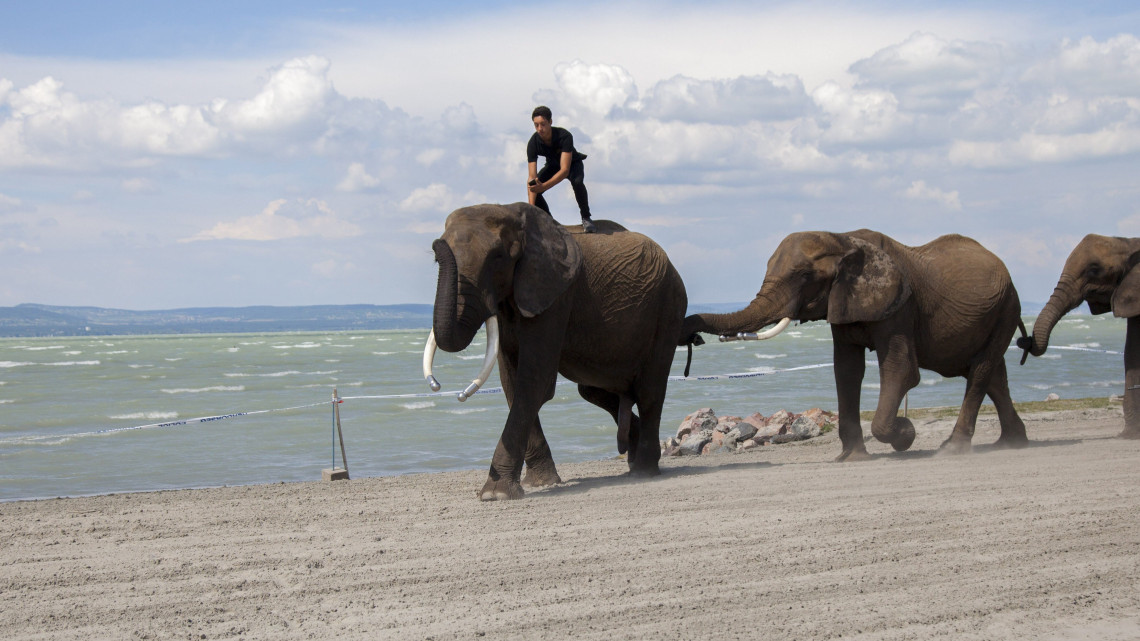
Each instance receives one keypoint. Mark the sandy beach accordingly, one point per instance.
(777, 543)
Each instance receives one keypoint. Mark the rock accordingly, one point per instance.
(726, 423)
(747, 445)
(1053, 396)
(782, 417)
(804, 428)
(787, 437)
(743, 431)
(695, 442)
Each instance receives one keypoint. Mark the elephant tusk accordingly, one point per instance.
(429, 356)
(762, 336)
(488, 360)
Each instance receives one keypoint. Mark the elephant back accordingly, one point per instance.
(616, 258)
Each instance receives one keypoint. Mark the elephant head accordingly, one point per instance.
(1098, 271)
(493, 258)
(815, 276)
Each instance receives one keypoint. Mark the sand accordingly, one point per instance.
(779, 543)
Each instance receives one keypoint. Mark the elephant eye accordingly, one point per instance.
(1095, 270)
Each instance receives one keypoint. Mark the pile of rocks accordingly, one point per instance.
(703, 432)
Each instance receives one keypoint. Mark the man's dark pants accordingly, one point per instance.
(577, 179)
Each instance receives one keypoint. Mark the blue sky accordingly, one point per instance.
(159, 155)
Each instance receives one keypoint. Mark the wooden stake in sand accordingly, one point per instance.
(335, 473)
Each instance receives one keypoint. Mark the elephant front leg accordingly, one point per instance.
(540, 469)
(521, 431)
(898, 374)
(849, 370)
(1132, 380)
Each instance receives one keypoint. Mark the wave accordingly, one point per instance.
(291, 372)
(770, 356)
(198, 390)
(10, 364)
(421, 405)
(298, 346)
(383, 353)
(40, 348)
(468, 410)
(6, 401)
(147, 416)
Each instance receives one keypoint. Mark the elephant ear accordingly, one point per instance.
(1126, 298)
(550, 261)
(868, 286)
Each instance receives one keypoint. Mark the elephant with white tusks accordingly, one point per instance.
(602, 309)
(1101, 271)
(948, 306)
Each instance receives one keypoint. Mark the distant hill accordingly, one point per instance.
(50, 320)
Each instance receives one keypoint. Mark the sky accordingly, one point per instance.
(164, 155)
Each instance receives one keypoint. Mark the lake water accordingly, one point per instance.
(95, 415)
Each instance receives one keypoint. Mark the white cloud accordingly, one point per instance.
(589, 91)
(357, 179)
(9, 204)
(727, 101)
(139, 185)
(919, 190)
(280, 220)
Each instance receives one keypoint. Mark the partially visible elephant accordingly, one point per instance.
(1100, 271)
(602, 309)
(947, 306)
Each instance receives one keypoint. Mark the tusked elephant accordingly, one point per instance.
(947, 306)
(1100, 271)
(602, 309)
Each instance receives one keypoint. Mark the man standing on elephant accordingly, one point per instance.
(556, 145)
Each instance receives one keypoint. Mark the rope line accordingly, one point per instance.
(17, 440)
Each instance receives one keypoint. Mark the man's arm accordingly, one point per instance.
(563, 172)
(531, 181)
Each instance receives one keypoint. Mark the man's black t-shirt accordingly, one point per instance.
(560, 141)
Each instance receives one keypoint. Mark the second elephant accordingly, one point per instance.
(947, 306)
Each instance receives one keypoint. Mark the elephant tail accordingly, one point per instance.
(692, 339)
(1025, 343)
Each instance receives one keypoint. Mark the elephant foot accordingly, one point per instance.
(903, 437)
(501, 490)
(644, 471)
(541, 474)
(1012, 441)
(1130, 433)
(955, 445)
(853, 455)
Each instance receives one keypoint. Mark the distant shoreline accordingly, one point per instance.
(31, 320)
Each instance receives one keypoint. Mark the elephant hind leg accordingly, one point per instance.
(1012, 427)
(620, 408)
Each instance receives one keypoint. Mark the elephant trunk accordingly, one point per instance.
(453, 331)
(1065, 298)
(765, 309)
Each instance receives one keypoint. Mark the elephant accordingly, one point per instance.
(603, 309)
(947, 306)
(1100, 271)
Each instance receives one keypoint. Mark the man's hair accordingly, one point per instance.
(542, 111)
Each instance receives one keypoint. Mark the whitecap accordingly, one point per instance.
(6, 401)
(118, 351)
(760, 370)
(145, 416)
(770, 356)
(1085, 345)
(43, 348)
(198, 390)
(9, 364)
(421, 405)
(383, 353)
(467, 410)
(172, 360)
(72, 363)
(469, 357)
(71, 353)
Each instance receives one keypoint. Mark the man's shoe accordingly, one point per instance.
(588, 226)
